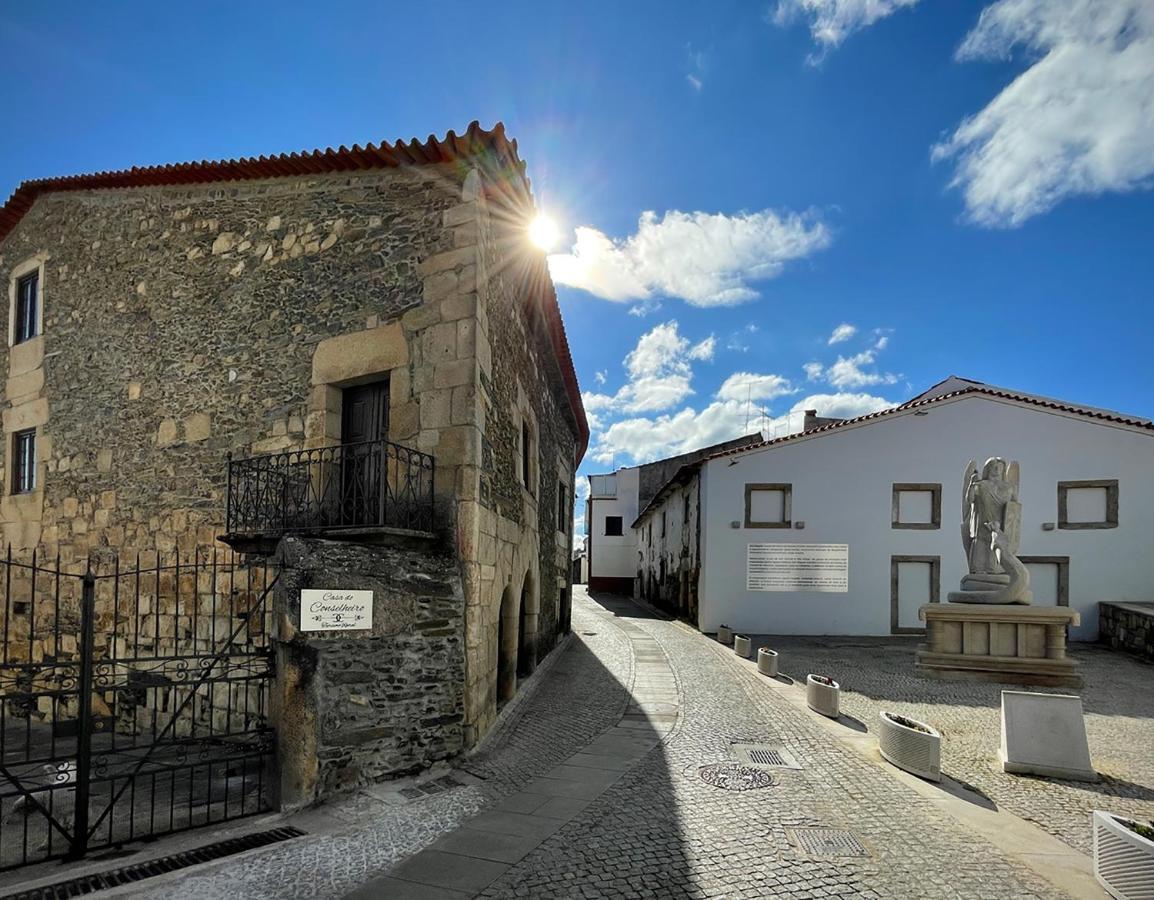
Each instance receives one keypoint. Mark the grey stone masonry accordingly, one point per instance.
(354, 707)
(1127, 626)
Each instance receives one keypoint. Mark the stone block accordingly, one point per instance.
(439, 342)
(439, 286)
(466, 408)
(436, 408)
(1045, 734)
(459, 215)
(459, 306)
(359, 354)
(24, 386)
(421, 317)
(30, 414)
(450, 259)
(108, 499)
(197, 427)
(134, 390)
(166, 433)
(452, 374)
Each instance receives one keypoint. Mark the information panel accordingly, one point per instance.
(329, 610)
(798, 567)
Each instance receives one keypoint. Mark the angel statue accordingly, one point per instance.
(991, 535)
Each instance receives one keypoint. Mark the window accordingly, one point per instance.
(27, 309)
(525, 440)
(685, 511)
(1088, 504)
(613, 526)
(916, 506)
(663, 523)
(562, 507)
(24, 461)
(768, 505)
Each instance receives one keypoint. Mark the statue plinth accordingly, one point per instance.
(998, 642)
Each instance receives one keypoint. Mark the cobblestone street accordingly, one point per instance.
(633, 709)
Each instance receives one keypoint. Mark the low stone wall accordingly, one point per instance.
(353, 708)
(1127, 626)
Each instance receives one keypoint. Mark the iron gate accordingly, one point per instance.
(133, 703)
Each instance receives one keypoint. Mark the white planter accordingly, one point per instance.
(767, 662)
(821, 696)
(918, 752)
(741, 646)
(724, 635)
(1123, 859)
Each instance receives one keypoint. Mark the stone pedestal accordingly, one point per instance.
(987, 642)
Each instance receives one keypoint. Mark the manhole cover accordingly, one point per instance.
(764, 755)
(734, 778)
(826, 842)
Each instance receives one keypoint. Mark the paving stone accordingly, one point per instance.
(448, 870)
(476, 841)
(396, 889)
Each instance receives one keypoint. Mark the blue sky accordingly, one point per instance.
(746, 177)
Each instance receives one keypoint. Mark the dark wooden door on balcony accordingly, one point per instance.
(364, 468)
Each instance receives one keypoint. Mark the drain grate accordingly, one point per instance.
(764, 755)
(87, 884)
(734, 778)
(823, 843)
(419, 791)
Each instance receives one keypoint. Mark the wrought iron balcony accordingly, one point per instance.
(375, 485)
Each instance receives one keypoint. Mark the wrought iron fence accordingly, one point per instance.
(364, 485)
(132, 703)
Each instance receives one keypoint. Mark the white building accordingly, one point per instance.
(850, 527)
(614, 500)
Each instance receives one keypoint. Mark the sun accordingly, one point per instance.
(543, 232)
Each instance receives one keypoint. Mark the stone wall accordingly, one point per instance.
(1127, 626)
(180, 323)
(352, 708)
(669, 565)
(520, 556)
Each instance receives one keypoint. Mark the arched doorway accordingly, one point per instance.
(507, 643)
(527, 629)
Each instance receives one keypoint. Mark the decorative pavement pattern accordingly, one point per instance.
(615, 776)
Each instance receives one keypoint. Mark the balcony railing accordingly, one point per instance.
(375, 484)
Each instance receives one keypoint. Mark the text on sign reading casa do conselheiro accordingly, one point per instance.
(333, 610)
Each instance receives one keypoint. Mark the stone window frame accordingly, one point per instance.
(935, 588)
(530, 481)
(786, 504)
(1111, 486)
(933, 488)
(1063, 564)
(36, 266)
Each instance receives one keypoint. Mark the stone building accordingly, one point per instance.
(280, 313)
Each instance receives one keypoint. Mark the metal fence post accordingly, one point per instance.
(84, 716)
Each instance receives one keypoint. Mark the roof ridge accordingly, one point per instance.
(917, 402)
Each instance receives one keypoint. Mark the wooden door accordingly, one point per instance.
(364, 458)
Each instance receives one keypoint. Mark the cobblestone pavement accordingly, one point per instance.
(584, 691)
(1118, 699)
(664, 832)
(660, 830)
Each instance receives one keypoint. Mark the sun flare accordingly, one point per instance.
(543, 232)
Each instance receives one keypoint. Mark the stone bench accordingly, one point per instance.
(1127, 626)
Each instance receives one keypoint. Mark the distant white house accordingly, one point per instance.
(614, 500)
(849, 527)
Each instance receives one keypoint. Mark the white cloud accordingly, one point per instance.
(694, 82)
(1078, 122)
(742, 386)
(832, 21)
(601, 376)
(706, 259)
(646, 439)
(849, 372)
(813, 370)
(659, 373)
(843, 332)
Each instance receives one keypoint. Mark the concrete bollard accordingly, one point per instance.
(741, 646)
(767, 662)
(724, 635)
